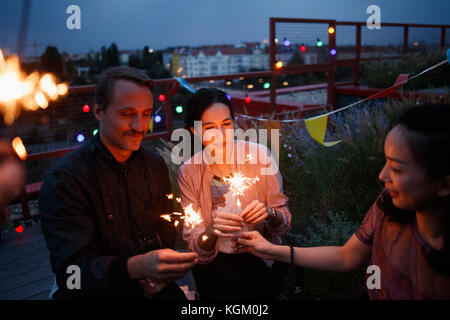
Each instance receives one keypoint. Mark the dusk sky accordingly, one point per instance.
(162, 23)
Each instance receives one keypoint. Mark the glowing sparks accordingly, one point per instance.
(41, 100)
(19, 148)
(249, 158)
(48, 86)
(204, 237)
(62, 89)
(190, 216)
(167, 217)
(170, 197)
(238, 183)
(18, 89)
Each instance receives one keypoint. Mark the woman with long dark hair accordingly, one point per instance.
(204, 184)
(406, 233)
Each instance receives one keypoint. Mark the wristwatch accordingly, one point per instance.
(272, 214)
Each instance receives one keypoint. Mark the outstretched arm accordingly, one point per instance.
(340, 259)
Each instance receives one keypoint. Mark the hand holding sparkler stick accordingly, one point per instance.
(253, 242)
(157, 267)
(225, 222)
(163, 265)
(254, 213)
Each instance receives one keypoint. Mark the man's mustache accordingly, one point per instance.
(134, 133)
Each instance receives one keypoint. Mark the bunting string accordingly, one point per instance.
(316, 125)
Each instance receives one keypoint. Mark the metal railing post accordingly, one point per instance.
(272, 53)
(405, 40)
(443, 37)
(168, 109)
(357, 67)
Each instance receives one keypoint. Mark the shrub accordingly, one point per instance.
(382, 74)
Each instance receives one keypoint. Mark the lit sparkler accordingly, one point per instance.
(167, 217)
(28, 91)
(18, 89)
(238, 184)
(19, 148)
(190, 216)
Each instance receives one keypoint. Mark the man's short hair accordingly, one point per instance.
(105, 84)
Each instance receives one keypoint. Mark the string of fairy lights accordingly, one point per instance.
(302, 38)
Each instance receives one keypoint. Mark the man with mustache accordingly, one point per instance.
(100, 205)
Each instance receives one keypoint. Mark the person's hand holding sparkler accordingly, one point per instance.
(162, 266)
(224, 224)
(253, 242)
(255, 212)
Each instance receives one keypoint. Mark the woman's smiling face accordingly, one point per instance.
(217, 125)
(407, 181)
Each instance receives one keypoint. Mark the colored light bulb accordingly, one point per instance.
(80, 138)
(279, 65)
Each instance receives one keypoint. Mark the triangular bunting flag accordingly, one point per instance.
(401, 80)
(317, 127)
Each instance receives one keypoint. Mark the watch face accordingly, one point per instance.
(274, 214)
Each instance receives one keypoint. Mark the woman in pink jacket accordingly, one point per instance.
(203, 182)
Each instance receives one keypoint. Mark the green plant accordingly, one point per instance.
(382, 74)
